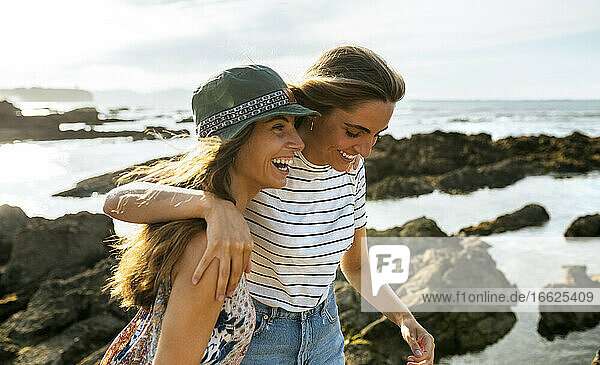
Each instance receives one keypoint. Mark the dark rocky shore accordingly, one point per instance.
(14, 126)
(458, 163)
(53, 311)
(559, 320)
(451, 162)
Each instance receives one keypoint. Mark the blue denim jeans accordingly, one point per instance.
(313, 337)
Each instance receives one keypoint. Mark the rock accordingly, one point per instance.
(80, 115)
(559, 320)
(529, 215)
(66, 319)
(586, 226)
(419, 227)
(95, 357)
(73, 344)
(54, 247)
(399, 187)
(8, 111)
(436, 263)
(11, 220)
(471, 178)
(58, 303)
(102, 184)
(458, 163)
(186, 120)
(14, 126)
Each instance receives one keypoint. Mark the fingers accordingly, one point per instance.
(235, 274)
(223, 279)
(249, 267)
(247, 254)
(201, 268)
(414, 346)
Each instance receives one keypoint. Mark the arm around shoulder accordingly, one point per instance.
(131, 203)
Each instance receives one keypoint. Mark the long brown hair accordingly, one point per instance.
(344, 77)
(148, 254)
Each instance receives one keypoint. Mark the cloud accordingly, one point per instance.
(183, 41)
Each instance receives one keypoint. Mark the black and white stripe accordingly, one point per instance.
(301, 233)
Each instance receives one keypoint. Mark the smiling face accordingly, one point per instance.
(339, 137)
(262, 162)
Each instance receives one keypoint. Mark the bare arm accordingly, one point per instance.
(355, 260)
(167, 203)
(229, 239)
(192, 311)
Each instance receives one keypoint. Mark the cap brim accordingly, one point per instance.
(289, 109)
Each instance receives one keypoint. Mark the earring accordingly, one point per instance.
(312, 123)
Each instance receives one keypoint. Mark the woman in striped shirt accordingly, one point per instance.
(293, 239)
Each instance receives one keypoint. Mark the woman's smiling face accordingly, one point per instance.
(336, 139)
(263, 160)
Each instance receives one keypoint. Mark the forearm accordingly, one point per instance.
(386, 301)
(356, 268)
(130, 203)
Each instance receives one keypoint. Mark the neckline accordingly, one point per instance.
(312, 166)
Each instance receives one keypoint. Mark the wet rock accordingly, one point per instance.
(458, 163)
(11, 220)
(95, 357)
(46, 248)
(186, 120)
(14, 126)
(559, 320)
(73, 344)
(8, 111)
(586, 226)
(66, 319)
(101, 184)
(529, 215)
(436, 263)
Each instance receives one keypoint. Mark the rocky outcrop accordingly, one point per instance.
(586, 226)
(14, 126)
(11, 220)
(459, 163)
(559, 320)
(52, 307)
(436, 262)
(420, 227)
(529, 215)
(101, 184)
(46, 247)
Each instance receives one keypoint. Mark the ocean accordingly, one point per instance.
(33, 171)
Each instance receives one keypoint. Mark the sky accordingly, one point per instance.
(444, 49)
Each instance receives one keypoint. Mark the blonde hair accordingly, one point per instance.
(147, 255)
(345, 77)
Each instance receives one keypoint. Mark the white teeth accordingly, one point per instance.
(350, 157)
(285, 162)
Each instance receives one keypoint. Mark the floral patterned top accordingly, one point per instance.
(138, 341)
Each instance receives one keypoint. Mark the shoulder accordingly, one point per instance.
(189, 259)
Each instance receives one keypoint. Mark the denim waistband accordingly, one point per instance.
(275, 312)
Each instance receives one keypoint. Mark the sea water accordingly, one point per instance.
(33, 171)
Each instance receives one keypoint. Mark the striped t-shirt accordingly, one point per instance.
(302, 231)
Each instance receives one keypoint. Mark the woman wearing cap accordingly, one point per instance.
(300, 234)
(177, 322)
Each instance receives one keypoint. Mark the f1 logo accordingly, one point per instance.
(389, 265)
